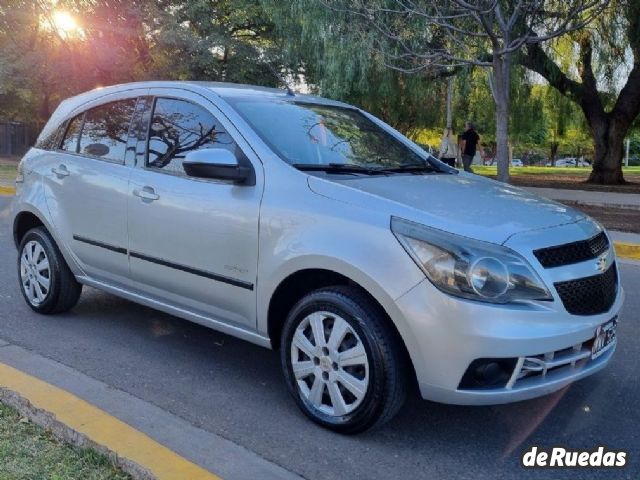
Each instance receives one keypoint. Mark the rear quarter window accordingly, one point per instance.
(72, 135)
(106, 130)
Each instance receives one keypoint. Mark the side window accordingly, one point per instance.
(70, 142)
(178, 127)
(106, 130)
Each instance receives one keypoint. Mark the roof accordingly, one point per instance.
(223, 90)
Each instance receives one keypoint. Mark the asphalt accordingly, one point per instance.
(221, 385)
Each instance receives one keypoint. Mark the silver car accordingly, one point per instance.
(309, 226)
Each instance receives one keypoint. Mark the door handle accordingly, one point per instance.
(60, 171)
(146, 193)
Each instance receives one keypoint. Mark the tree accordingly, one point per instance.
(120, 41)
(325, 50)
(417, 36)
(600, 53)
(44, 64)
(219, 40)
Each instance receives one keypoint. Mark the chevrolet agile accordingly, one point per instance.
(309, 226)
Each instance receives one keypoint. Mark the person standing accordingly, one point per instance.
(469, 142)
(448, 150)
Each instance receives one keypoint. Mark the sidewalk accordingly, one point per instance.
(599, 199)
(144, 440)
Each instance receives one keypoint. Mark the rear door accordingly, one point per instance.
(194, 242)
(87, 188)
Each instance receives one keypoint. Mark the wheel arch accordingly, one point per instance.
(23, 222)
(299, 283)
(27, 218)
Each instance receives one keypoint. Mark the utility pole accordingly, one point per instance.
(449, 102)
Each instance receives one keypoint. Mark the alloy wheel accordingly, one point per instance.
(35, 272)
(329, 363)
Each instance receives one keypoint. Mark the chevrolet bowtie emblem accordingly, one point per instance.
(601, 263)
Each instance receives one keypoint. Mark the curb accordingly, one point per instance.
(81, 424)
(7, 190)
(622, 206)
(630, 251)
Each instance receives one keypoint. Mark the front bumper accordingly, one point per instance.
(448, 334)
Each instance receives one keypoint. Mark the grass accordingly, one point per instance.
(7, 177)
(555, 171)
(571, 178)
(29, 452)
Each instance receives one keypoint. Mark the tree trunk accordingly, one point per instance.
(225, 63)
(501, 89)
(553, 153)
(609, 150)
(44, 112)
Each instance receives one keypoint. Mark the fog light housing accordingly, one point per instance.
(488, 373)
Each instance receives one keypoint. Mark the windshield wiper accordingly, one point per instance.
(353, 168)
(339, 168)
(410, 168)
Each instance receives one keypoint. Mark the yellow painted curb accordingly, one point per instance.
(102, 428)
(627, 250)
(7, 190)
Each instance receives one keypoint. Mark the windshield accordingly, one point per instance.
(305, 134)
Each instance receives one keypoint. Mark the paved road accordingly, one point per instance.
(235, 389)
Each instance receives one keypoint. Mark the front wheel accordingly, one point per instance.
(343, 363)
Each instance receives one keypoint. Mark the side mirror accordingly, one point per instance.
(96, 149)
(215, 163)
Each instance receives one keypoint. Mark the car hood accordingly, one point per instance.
(462, 203)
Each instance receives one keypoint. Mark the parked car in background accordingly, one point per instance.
(570, 162)
(516, 162)
(308, 225)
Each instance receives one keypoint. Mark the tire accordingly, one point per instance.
(371, 379)
(46, 283)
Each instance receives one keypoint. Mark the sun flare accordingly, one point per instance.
(64, 23)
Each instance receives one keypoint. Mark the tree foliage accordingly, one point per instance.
(337, 62)
(331, 52)
(120, 41)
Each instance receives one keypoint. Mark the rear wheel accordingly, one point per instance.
(46, 283)
(343, 363)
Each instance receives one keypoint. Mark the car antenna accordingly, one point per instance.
(290, 91)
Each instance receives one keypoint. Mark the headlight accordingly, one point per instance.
(469, 268)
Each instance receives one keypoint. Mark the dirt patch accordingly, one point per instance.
(573, 182)
(576, 183)
(620, 219)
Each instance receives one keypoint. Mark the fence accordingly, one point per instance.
(15, 138)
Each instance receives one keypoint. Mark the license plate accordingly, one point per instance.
(605, 338)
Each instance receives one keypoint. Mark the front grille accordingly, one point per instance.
(589, 295)
(574, 252)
